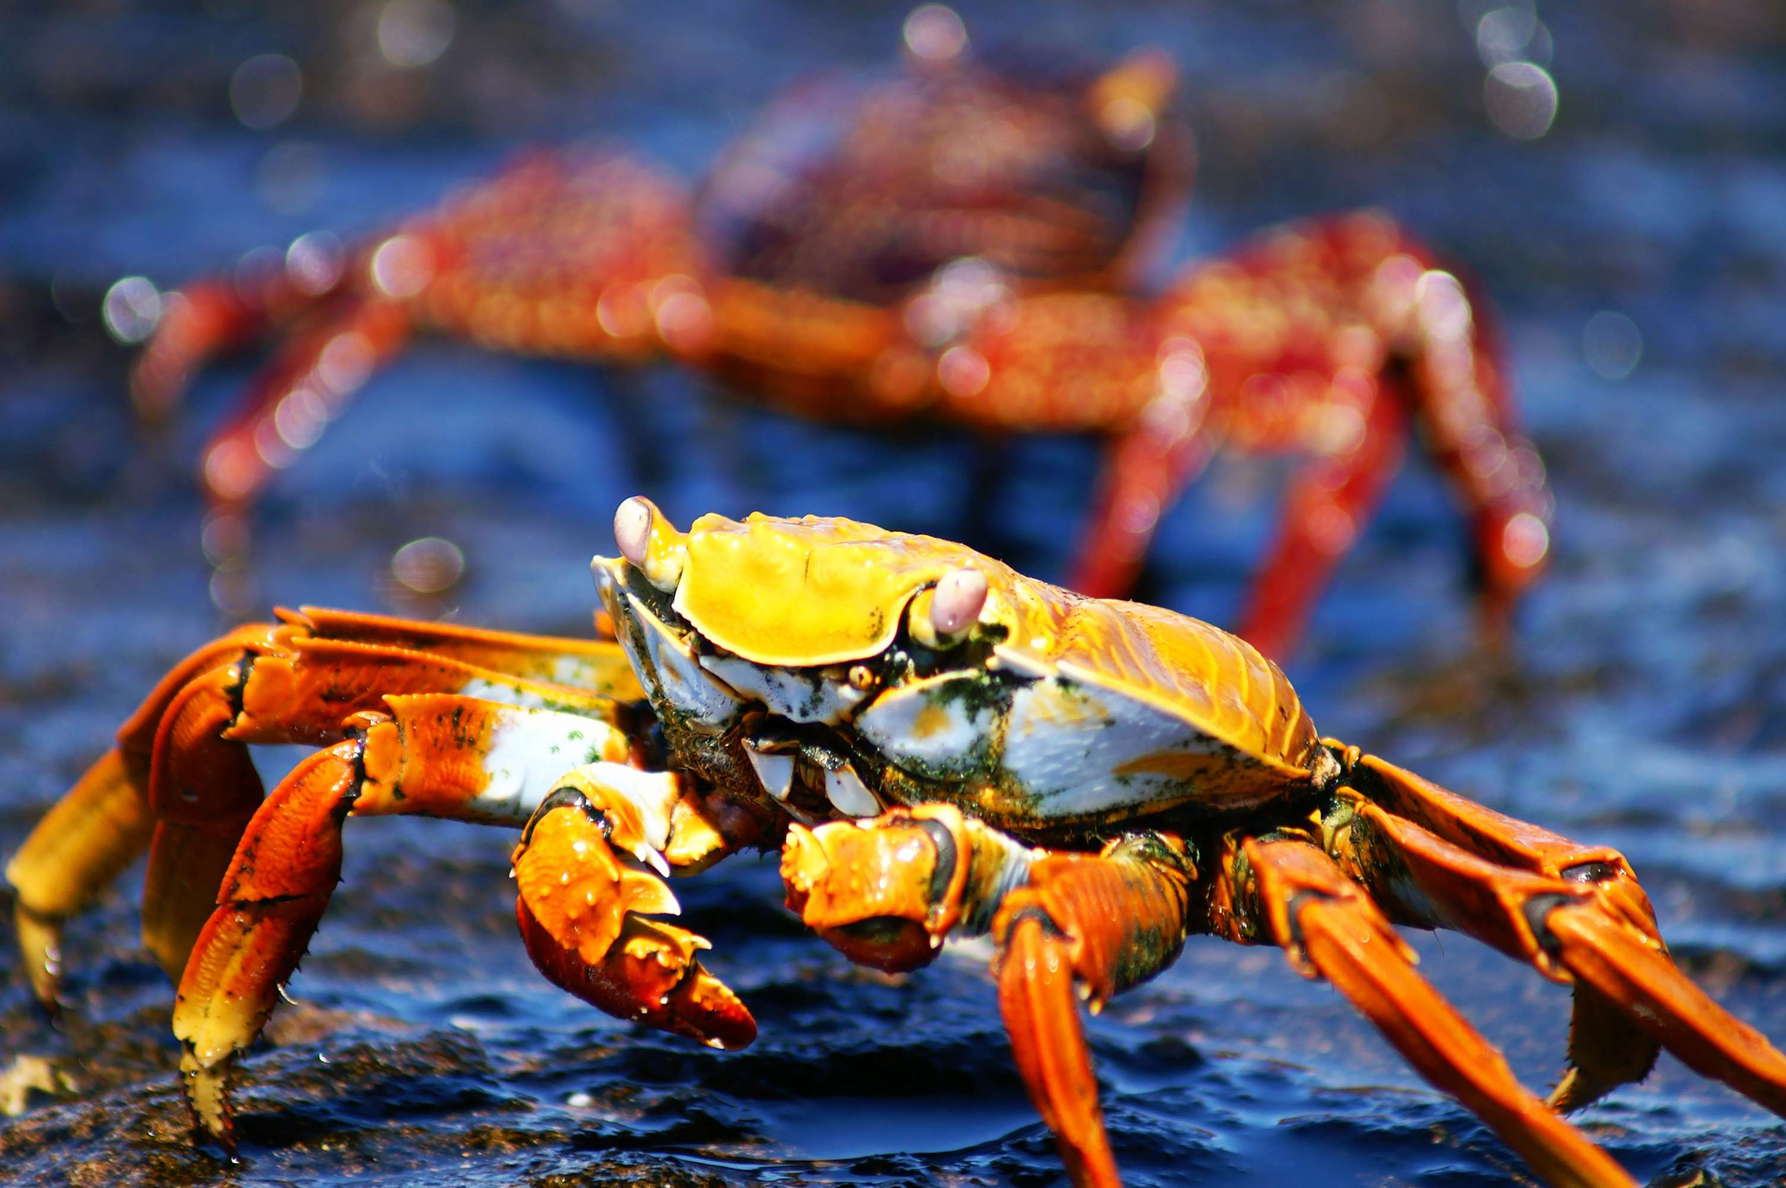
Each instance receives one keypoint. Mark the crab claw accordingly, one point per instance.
(650, 542)
(883, 892)
(581, 909)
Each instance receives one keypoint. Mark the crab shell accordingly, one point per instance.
(945, 673)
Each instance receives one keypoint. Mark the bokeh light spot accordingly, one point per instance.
(131, 308)
(413, 33)
(264, 91)
(428, 565)
(1521, 98)
(402, 266)
(1611, 345)
(1525, 540)
(934, 33)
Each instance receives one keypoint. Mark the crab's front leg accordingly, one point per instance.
(1068, 926)
(588, 875)
(428, 754)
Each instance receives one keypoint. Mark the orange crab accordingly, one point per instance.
(957, 243)
(940, 746)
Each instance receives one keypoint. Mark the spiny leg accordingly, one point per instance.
(587, 878)
(1574, 912)
(1290, 891)
(433, 754)
(1068, 927)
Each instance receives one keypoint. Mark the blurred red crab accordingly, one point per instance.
(962, 242)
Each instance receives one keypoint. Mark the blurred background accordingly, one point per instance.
(1613, 174)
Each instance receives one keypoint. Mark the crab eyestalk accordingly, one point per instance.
(942, 616)
(650, 542)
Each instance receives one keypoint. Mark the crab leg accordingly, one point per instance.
(1284, 345)
(1329, 500)
(572, 254)
(1574, 912)
(103, 823)
(1299, 897)
(79, 847)
(432, 754)
(180, 772)
(294, 398)
(1069, 927)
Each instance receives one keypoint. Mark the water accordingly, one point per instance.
(1645, 708)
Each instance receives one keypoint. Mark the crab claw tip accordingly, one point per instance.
(957, 601)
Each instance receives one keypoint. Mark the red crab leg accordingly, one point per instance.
(180, 760)
(1282, 346)
(296, 396)
(1068, 926)
(210, 317)
(433, 754)
(1579, 916)
(1316, 300)
(1328, 503)
(586, 255)
(1299, 897)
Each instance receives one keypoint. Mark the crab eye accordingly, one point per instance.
(632, 529)
(649, 542)
(943, 614)
(957, 601)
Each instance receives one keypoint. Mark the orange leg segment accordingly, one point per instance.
(1331, 929)
(181, 775)
(1068, 926)
(79, 847)
(441, 755)
(1576, 913)
(1084, 926)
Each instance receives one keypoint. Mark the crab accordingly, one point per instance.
(957, 243)
(941, 748)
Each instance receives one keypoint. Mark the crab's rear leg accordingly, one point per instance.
(1574, 912)
(1291, 892)
(1323, 338)
(1069, 928)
